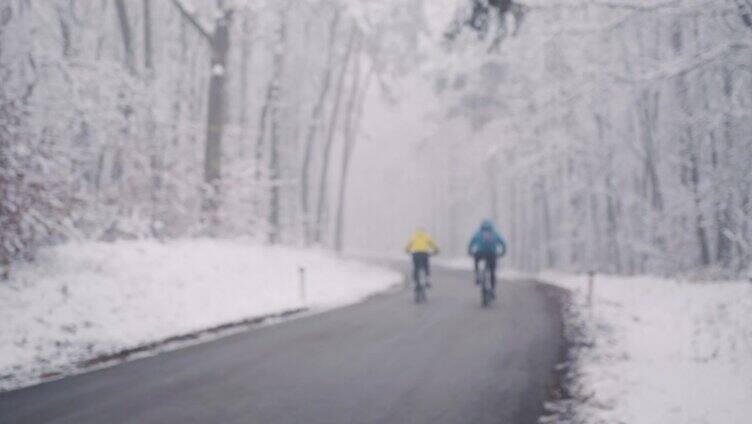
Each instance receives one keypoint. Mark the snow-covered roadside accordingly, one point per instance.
(657, 351)
(652, 350)
(80, 301)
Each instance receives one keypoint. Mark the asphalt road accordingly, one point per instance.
(383, 361)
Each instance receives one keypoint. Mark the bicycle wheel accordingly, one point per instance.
(485, 288)
(420, 287)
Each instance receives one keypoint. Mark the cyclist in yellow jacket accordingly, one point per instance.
(421, 246)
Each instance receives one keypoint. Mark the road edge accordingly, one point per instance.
(556, 407)
(184, 340)
(151, 348)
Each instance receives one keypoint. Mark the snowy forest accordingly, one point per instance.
(611, 135)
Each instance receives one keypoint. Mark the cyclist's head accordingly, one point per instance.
(486, 225)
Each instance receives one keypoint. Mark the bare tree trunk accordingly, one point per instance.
(313, 127)
(126, 109)
(323, 179)
(274, 118)
(245, 57)
(148, 50)
(547, 232)
(723, 216)
(614, 251)
(514, 225)
(648, 109)
(350, 133)
(692, 148)
(125, 33)
(157, 147)
(261, 136)
(65, 33)
(101, 35)
(702, 236)
(219, 43)
(491, 180)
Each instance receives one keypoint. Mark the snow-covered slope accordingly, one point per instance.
(79, 301)
(659, 351)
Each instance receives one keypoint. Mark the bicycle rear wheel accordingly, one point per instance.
(485, 288)
(420, 287)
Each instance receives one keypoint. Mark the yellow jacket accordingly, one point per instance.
(421, 242)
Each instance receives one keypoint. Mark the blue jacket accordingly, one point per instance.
(487, 241)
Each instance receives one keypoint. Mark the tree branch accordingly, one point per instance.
(684, 65)
(190, 17)
(745, 12)
(610, 4)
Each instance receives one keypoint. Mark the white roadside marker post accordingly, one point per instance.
(302, 284)
(591, 279)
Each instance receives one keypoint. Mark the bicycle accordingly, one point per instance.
(420, 286)
(484, 281)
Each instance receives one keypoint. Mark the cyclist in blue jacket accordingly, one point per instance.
(486, 245)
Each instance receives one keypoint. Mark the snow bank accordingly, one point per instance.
(659, 351)
(80, 301)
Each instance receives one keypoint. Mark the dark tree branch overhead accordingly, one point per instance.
(484, 16)
(745, 12)
(190, 17)
(611, 4)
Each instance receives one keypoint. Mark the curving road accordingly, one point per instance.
(383, 361)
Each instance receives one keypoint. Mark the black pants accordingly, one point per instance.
(420, 261)
(490, 259)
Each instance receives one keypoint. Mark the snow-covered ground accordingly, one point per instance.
(658, 351)
(80, 301)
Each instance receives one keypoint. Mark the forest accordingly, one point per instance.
(611, 135)
(615, 136)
